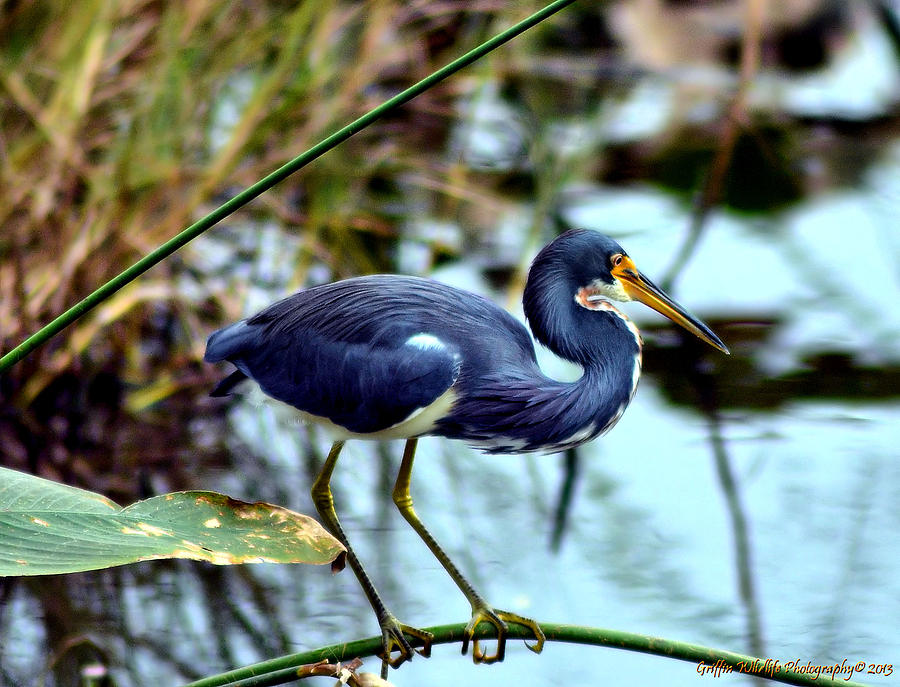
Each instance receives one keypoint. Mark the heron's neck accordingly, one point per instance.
(608, 349)
(559, 415)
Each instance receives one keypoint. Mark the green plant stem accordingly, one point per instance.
(193, 231)
(284, 669)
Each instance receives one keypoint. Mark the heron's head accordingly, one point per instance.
(597, 270)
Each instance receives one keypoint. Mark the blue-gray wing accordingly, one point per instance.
(365, 383)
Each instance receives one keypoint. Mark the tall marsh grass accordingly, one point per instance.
(121, 123)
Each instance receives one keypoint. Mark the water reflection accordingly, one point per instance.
(648, 546)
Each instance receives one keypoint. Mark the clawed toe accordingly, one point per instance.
(499, 620)
(394, 640)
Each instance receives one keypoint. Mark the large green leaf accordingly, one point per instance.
(47, 528)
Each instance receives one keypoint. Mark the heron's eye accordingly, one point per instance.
(617, 259)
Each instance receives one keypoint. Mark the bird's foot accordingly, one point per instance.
(393, 640)
(499, 619)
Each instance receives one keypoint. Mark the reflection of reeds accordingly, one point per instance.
(119, 125)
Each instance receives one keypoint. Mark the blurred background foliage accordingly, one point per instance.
(122, 122)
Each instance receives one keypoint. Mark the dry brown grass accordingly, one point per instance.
(121, 123)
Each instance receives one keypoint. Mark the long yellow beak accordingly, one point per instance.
(642, 289)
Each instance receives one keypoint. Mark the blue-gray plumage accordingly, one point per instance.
(393, 356)
(366, 353)
(347, 351)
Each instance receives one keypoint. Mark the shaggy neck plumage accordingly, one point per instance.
(600, 341)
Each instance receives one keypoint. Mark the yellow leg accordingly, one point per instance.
(391, 629)
(481, 610)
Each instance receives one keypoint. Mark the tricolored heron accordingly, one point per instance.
(388, 357)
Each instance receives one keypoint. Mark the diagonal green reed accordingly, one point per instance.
(193, 231)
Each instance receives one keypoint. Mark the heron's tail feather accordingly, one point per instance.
(227, 385)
